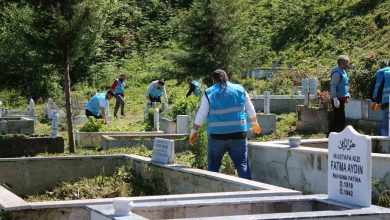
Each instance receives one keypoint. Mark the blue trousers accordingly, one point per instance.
(238, 152)
(385, 122)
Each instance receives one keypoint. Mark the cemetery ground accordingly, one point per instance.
(122, 182)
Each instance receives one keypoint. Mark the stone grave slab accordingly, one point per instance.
(349, 167)
(163, 151)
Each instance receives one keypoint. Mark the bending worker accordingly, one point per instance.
(97, 107)
(195, 87)
(226, 105)
(118, 86)
(154, 92)
(380, 96)
(339, 92)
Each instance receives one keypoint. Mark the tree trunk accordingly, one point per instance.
(69, 117)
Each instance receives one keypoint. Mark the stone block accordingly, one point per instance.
(147, 140)
(183, 126)
(17, 125)
(267, 122)
(312, 119)
(23, 146)
(94, 139)
(168, 126)
(354, 109)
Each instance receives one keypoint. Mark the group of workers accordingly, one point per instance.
(340, 94)
(225, 106)
(98, 105)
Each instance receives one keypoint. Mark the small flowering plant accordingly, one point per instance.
(324, 101)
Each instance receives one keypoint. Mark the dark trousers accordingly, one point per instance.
(119, 103)
(337, 122)
(155, 99)
(90, 114)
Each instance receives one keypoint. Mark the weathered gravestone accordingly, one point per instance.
(182, 124)
(31, 110)
(349, 167)
(267, 102)
(163, 151)
(54, 125)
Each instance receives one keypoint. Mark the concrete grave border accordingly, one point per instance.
(31, 176)
(303, 168)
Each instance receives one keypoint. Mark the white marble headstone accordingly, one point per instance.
(163, 151)
(182, 122)
(267, 102)
(54, 125)
(31, 105)
(349, 167)
(156, 119)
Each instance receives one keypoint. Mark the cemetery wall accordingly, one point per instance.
(35, 175)
(112, 141)
(168, 126)
(279, 103)
(303, 168)
(94, 139)
(16, 125)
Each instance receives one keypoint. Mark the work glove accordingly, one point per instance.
(375, 106)
(256, 129)
(193, 136)
(148, 102)
(336, 102)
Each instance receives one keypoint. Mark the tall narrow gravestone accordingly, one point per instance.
(54, 125)
(349, 167)
(31, 110)
(163, 151)
(267, 102)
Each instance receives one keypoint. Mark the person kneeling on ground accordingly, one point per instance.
(154, 92)
(97, 107)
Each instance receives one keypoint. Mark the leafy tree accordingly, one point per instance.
(210, 38)
(73, 30)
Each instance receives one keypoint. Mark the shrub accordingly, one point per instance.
(149, 120)
(93, 125)
(185, 106)
(200, 149)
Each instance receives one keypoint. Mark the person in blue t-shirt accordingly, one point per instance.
(195, 87)
(379, 92)
(155, 90)
(97, 107)
(118, 87)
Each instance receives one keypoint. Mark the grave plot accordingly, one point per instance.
(32, 176)
(23, 146)
(16, 125)
(130, 140)
(280, 207)
(94, 139)
(305, 168)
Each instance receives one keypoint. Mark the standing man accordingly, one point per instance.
(195, 87)
(118, 87)
(339, 92)
(226, 105)
(154, 92)
(97, 107)
(380, 92)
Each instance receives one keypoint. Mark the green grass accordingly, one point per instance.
(123, 183)
(285, 127)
